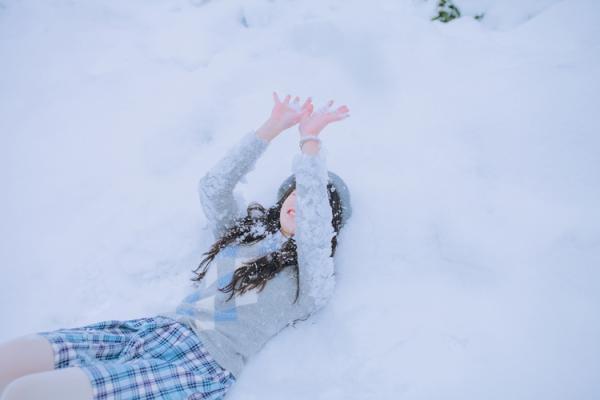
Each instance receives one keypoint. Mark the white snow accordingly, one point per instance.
(470, 267)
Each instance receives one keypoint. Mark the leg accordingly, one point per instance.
(24, 355)
(65, 384)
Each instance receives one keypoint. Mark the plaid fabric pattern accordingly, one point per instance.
(145, 358)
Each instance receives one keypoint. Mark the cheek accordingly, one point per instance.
(281, 216)
(287, 221)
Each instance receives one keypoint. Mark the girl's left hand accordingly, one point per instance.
(284, 115)
(313, 124)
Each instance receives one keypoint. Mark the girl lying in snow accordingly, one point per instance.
(272, 268)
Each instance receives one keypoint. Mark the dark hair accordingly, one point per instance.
(255, 226)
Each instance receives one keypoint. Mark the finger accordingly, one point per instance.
(286, 101)
(342, 109)
(306, 113)
(306, 103)
(276, 98)
(330, 117)
(326, 107)
(339, 117)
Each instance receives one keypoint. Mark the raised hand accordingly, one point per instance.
(313, 124)
(289, 114)
(284, 115)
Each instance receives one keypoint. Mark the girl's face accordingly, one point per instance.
(287, 215)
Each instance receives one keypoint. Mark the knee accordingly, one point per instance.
(69, 383)
(20, 388)
(28, 344)
(24, 355)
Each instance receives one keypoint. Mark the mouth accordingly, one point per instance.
(291, 212)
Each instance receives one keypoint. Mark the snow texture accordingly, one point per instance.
(216, 187)
(469, 269)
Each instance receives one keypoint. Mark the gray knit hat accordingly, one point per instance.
(340, 187)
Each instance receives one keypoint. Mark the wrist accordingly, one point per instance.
(268, 130)
(307, 132)
(311, 147)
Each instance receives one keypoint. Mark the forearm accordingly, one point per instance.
(311, 147)
(314, 230)
(268, 130)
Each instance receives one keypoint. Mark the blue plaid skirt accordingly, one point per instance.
(145, 358)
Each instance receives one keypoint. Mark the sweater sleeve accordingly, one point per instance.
(215, 188)
(314, 230)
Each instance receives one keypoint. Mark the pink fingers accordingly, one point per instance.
(306, 103)
(276, 98)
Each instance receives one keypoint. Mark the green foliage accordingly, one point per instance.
(447, 11)
(479, 17)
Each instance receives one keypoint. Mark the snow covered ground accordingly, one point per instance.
(470, 268)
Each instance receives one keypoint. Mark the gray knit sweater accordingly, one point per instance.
(234, 330)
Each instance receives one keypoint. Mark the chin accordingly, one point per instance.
(289, 228)
(292, 230)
